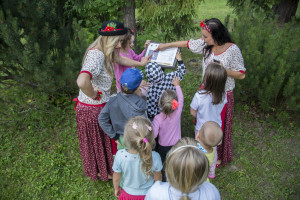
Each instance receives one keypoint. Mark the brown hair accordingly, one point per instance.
(106, 44)
(211, 134)
(214, 81)
(136, 129)
(126, 40)
(186, 167)
(165, 101)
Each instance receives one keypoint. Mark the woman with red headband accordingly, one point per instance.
(94, 82)
(216, 44)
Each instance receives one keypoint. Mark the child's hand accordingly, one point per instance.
(145, 60)
(118, 143)
(176, 81)
(147, 43)
(178, 56)
(118, 191)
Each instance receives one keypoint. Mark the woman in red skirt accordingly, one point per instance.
(94, 82)
(216, 44)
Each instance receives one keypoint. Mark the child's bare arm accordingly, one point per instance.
(193, 112)
(116, 182)
(157, 176)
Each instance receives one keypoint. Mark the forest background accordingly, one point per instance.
(42, 44)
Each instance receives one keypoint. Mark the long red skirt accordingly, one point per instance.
(95, 145)
(225, 149)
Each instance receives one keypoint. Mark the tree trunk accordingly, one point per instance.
(286, 9)
(129, 18)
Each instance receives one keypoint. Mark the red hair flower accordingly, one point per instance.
(108, 28)
(175, 104)
(204, 26)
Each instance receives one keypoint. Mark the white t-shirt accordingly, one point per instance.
(164, 191)
(206, 111)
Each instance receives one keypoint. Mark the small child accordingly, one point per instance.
(186, 170)
(209, 136)
(125, 105)
(138, 165)
(160, 82)
(167, 124)
(126, 44)
(209, 101)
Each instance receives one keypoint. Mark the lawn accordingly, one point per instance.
(40, 158)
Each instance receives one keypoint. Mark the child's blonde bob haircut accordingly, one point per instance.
(139, 136)
(186, 166)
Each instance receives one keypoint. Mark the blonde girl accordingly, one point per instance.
(186, 170)
(94, 82)
(138, 165)
(167, 124)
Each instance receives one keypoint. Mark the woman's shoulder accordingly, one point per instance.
(95, 52)
(232, 47)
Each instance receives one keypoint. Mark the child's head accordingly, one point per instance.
(168, 101)
(138, 136)
(210, 134)
(128, 39)
(154, 73)
(214, 81)
(130, 80)
(186, 166)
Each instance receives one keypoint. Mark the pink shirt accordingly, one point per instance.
(119, 69)
(169, 128)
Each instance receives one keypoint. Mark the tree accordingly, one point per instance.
(285, 9)
(41, 47)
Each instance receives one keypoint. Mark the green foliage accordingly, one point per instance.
(271, 56)
(257, 5)
(171, 19)
(41, 47)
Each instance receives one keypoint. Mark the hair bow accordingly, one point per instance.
(204, 26)
(175, 104)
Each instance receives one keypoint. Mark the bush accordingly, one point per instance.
(271, 56)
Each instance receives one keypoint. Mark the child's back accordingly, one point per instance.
(122, 107)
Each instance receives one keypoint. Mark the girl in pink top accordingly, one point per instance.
(167, 124)
(126, 44)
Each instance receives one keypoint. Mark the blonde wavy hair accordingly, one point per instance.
(106, 44)
(186, 167)
(165, 101)
(136, 129)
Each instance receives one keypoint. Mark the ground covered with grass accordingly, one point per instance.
(40, 158)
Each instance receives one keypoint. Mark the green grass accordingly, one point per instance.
(40, 158)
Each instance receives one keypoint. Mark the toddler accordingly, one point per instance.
(209, 136)
(138, 165)
(167, 124)
(186, 170)
(160, 82)
(120, 108)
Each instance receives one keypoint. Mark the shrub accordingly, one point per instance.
(271, 56)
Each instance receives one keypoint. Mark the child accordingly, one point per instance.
(138, 165)
(126, 44)
(186, 170)
(209, 102)
(159, 83)
(123, 106)
(209, 136)
(167, 124)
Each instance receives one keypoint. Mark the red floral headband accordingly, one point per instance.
(204, 26)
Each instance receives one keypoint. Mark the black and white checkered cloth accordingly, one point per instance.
(159, 83)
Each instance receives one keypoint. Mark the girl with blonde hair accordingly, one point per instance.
(94, 82)
(138, 165)
(186, 170)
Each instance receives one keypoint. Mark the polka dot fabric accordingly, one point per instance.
(95, 145)
(231, 59)
(94, 63)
